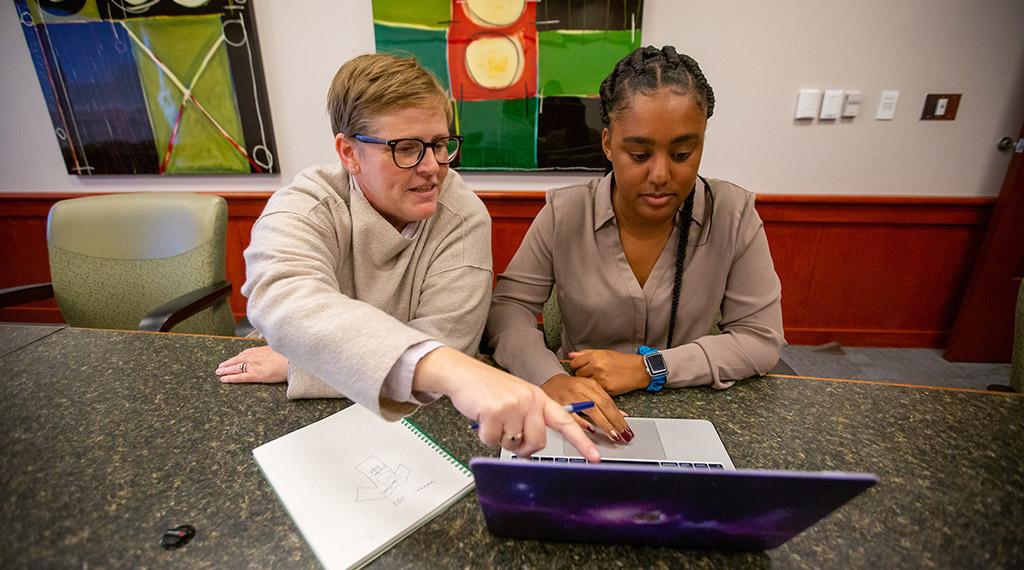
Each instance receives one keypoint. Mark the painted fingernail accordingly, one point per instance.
(614, 435)
(589, 428)
(628, 435)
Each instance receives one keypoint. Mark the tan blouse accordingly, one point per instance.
(728, 281)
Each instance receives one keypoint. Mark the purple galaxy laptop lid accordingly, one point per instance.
(638, 504)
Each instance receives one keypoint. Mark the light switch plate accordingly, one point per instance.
(807, 103)
(851, 104)
(887, 105)
(832, 104)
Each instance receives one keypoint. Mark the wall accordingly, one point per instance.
(756, 55)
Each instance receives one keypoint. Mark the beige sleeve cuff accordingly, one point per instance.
(688, 365)
(303, 385)
(397, 388)
(398, 384)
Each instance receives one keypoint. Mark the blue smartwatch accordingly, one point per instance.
(654, 362)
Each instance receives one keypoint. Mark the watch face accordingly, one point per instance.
(655, 364)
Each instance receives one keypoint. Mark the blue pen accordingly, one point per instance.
(571, 408)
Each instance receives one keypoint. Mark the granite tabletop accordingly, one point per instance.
(14, 336)
(108, 438)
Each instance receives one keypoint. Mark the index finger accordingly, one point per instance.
(580, 359)
(236, 359)
(559, 420)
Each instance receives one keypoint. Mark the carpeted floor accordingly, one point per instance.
(901, 365)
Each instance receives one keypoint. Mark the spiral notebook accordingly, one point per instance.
(356, 485)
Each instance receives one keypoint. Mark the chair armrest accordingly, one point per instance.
(25, 294)
(164, 317)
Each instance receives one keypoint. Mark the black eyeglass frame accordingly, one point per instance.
(393, 143)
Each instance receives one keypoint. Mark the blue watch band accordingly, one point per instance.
(654, 362)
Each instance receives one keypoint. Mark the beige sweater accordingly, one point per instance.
(729, 281)
(333, 286)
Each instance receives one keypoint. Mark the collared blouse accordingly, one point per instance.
(729, 285)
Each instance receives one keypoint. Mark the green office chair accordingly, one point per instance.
(153, 261)
(552, 325)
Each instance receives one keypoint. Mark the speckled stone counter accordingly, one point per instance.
(14, 336)
(108, 438)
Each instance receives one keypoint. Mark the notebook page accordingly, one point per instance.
(355, 484)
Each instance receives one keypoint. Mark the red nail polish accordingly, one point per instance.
(628, 435)
(589, 428)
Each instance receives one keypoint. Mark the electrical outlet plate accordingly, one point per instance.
(940, 106)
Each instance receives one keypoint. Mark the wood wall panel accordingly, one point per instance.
(864, 271)
(511, 215)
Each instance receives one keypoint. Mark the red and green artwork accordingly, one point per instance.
(524, 75)
(152, 86)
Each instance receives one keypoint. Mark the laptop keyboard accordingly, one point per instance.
(669, 464)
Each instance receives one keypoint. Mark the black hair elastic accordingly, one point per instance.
(177, 537)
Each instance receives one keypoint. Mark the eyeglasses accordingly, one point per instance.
(407, 153)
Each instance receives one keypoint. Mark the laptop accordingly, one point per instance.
(656, 496)
(658, 441)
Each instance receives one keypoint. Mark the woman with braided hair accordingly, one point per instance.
(648, 260)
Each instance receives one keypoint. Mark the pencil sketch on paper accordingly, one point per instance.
(383, 479)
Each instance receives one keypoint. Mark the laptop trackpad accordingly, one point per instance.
(646, 444)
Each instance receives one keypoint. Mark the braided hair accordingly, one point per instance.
(646, 70)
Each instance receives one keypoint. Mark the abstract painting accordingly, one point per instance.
(524, 75)
(152, 86)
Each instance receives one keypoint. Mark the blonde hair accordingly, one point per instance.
(369, 86)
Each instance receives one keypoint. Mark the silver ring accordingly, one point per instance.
(242, 367)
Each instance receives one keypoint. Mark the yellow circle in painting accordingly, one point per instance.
(494, 13)
(494, 61)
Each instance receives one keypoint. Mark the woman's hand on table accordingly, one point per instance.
(566, 389)
(616, 372)
(260, 365)
(511, 412)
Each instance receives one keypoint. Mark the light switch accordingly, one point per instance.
(887, 105)
(851, 106)
(831, 105)
(807, 103)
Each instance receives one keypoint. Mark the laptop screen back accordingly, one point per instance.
(705, 509)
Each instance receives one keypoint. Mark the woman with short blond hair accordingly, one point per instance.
(372, 276)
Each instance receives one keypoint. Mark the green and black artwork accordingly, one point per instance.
(524, 76)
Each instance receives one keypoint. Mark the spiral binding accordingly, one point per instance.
(437, 447)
